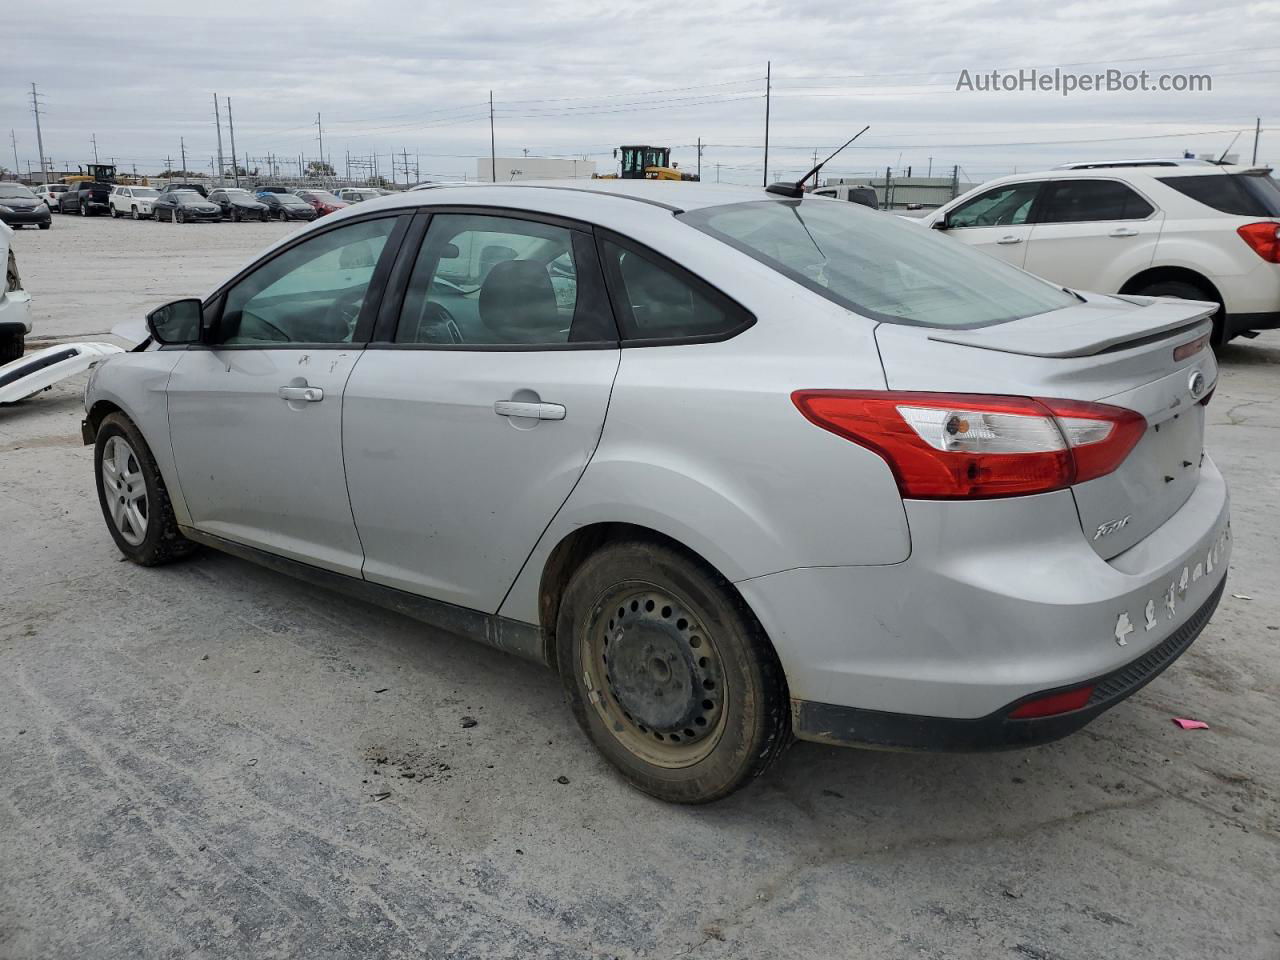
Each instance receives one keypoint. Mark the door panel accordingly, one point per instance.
(449, 495)
(257, 467)
(996, 222)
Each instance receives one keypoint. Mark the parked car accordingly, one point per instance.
(238, 204)
(271, 188)
(19, 206)
(1187, 229)
(574, 440)
(189, 187)
(86, 197)
(855, 194)
(132, 201)
(48, 194)
(357, 194)
(322, 201)
(15, 305)
(185, 206)
(286, 206)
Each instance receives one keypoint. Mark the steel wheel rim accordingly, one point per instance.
(125, 490)
(654, 675)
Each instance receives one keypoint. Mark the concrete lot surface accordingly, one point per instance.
(208, 760)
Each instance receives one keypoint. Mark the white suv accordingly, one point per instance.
(1186, 229)
(131, 201)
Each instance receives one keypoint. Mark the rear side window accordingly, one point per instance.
(1239, 194)
(1082, 201)
(657, 301)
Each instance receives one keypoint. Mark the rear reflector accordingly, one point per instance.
(943, 446)
(1190, 349)
(1264, 238)
(1053, 704)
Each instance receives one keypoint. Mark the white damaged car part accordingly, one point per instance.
(42, 369)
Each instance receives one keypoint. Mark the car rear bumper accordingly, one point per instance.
(1238, 323)
(1000, 600)
(850, 726)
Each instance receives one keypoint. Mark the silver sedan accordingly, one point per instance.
(739, 466)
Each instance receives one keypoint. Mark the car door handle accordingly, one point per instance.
(307, 394)
(1009, 240)
(1123, 232)
(533, 411)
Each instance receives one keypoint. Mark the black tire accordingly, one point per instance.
(162, 542)
(1186, 290)
(134, 214)
(265, 216)
(235, 215)
(115, 214)
(725, 717)
(45, 226)
(283, 216)
(84, 209)
(179, 216)
(12, 347)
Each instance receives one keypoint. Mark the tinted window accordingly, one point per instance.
(1240, 194)
(880, 265)
(1003, 206)
(311, 293)
(498, 281)
(656, 300)
(1082, 201)
(15, 191)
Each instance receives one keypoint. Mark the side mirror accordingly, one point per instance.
(941, 223)
(176, 322)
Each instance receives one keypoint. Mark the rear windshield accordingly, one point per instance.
(1239, 194)
(878, 264)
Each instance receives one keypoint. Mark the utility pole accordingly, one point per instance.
(493, 150)
(168, 165)
(931, 166)
(348, 165)
(35, 108)
(231, 126)
(93, 138)
(768, 95)
(955, 181)
(183, 144)
(217, 120)
(321, 130)
(13, 139)
(1257, 132)
(717, 173)
(699, 158)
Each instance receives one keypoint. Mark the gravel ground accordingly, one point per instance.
(212, 761)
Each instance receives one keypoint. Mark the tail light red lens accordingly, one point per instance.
(1053, 704)
(944, 446)
(1264, 238)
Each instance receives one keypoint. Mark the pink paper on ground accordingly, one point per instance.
(1186, 724)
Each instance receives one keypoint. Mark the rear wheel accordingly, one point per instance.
(12, 347)
(84, 209)
(1188, 291)
(133, 497)
(669, 673)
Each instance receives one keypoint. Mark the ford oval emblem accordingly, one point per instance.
(1196, 385)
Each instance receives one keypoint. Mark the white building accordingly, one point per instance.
(535, 168)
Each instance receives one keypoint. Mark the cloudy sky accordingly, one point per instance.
(577, 79)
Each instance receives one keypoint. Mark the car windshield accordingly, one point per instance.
(145, 192)
(323, 196)
(15, 191)
(188, 196)
(289, 200)
(237, 192)
(879, 265)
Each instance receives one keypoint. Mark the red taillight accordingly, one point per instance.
(1264, 238)
(1053, 704)
(943, 446)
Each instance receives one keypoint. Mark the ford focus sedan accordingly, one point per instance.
(739, 467)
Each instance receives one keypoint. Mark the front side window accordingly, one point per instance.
(497, 281)
(1002, 207)
(1083, 201)
(311, 293)
(879, 265)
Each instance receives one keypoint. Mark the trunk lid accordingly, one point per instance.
(1116, 350)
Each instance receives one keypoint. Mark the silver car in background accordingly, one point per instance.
(740, 467)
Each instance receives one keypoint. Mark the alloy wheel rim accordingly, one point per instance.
(654, 675)
(125, 490)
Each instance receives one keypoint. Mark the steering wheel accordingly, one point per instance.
(344, 312)
(436, 325)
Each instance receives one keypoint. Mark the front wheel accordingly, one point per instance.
(45, 226)
(180, 216)
(283, 216)
(669, 673)
(134, 500)
(133, 212)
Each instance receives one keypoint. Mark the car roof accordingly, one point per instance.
(677, 195)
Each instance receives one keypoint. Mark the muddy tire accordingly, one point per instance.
(669, 674)
(132, 494)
